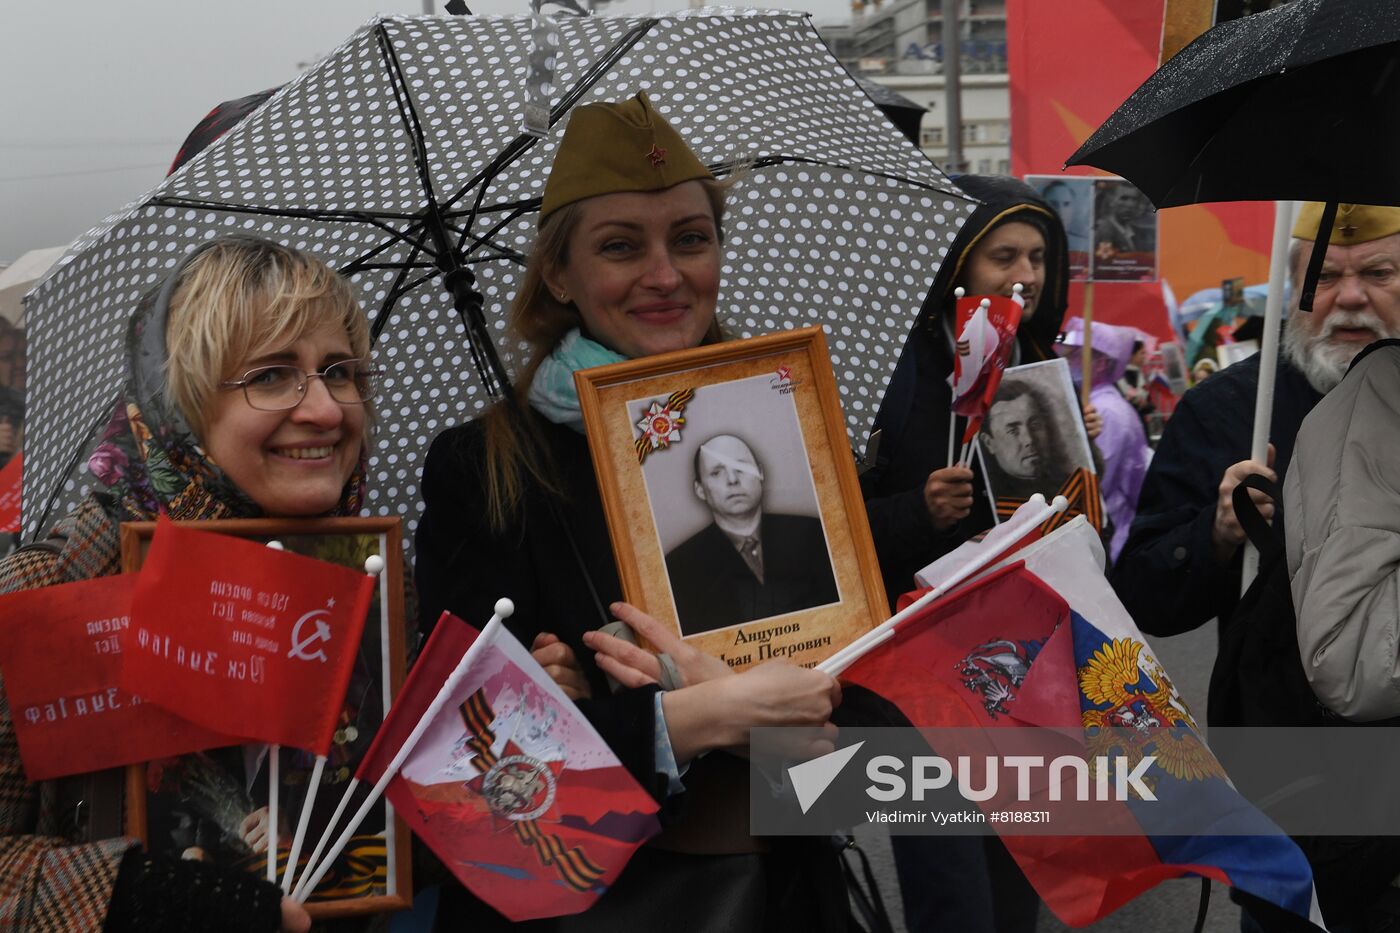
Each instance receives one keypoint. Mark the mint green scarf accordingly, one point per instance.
(553, 394)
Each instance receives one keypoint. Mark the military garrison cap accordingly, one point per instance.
(612, 147)
(1356, 223)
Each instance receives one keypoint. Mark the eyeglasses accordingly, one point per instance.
(282, 388)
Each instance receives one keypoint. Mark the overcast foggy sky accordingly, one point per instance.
(96, 96)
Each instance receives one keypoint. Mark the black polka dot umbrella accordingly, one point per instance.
(400, 160)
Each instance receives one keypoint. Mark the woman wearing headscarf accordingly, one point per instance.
(626, 264)
(247, 395)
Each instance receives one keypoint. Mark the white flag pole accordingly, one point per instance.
(504, 609)
(326, 835)
(274, 780)
(315, 784)
(374, 566)
(848, 655)
(1268, 361)
(274, 786)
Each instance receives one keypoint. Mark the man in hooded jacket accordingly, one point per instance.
(920, 508)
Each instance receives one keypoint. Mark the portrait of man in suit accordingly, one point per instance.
(1020, 438)
(746, 564)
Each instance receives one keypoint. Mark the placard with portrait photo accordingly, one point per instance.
(214, 805)
(1125, 233)
(1072, 198)
(731, 497)
(1033, 438)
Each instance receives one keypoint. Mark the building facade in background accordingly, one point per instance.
(899, 44)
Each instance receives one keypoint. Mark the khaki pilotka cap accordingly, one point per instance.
(615, 147)
(1355, 223)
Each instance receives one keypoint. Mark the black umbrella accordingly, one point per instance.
(1295, 103)
(902, 111)
(1291, 104)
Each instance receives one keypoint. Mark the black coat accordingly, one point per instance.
(557, 566)
(463, 567)
(714, 588)
(1167, 576)
(913, 418)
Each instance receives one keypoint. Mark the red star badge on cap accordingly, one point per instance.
(657, 155)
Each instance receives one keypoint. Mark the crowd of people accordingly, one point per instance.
(250, 392)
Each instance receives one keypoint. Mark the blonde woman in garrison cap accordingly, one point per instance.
(626, 264)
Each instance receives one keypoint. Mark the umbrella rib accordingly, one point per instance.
(382, 318)
(355, 265)
(407, 113)
(294, 212)
(458, 279)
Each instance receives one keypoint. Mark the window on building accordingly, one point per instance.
(932, 136)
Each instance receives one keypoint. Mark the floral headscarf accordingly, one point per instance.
(149, 456)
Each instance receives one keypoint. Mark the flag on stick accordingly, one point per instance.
(1043, 641)
(245, 639)
(509, 784)
(986, 328)
(60, 653)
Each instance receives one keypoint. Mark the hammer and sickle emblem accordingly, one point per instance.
(322, 632)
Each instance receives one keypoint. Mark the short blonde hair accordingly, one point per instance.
(241, 294)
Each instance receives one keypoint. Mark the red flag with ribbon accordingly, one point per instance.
(245, 639)
(986, 329)
(60, 653)
(510, 785)
(10, 495)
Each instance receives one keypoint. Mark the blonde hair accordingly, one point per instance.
(515, 452)
(241, 294)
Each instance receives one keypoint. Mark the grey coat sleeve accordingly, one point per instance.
(1344, 544)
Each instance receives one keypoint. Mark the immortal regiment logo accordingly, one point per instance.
(661, 425)
(520, 789)
(783, 383)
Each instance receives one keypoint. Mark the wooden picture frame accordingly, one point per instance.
(168, 816)
(674, 537)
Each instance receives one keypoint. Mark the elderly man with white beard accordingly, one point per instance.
(1181, 565)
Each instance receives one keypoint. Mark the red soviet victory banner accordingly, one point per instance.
(243, 638)
(9, 495)
(60, 654)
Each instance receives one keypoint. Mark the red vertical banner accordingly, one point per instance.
(10, 495)
(1071, 64)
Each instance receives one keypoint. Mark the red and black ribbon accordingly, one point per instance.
(574, 866)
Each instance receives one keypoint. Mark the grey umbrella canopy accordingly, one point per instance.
(398, 159)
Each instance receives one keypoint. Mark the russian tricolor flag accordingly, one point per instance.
(1042, 640)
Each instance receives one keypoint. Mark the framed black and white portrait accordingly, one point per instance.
(731, 497)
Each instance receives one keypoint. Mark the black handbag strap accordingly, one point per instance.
(1264, 538)
(866, 898)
